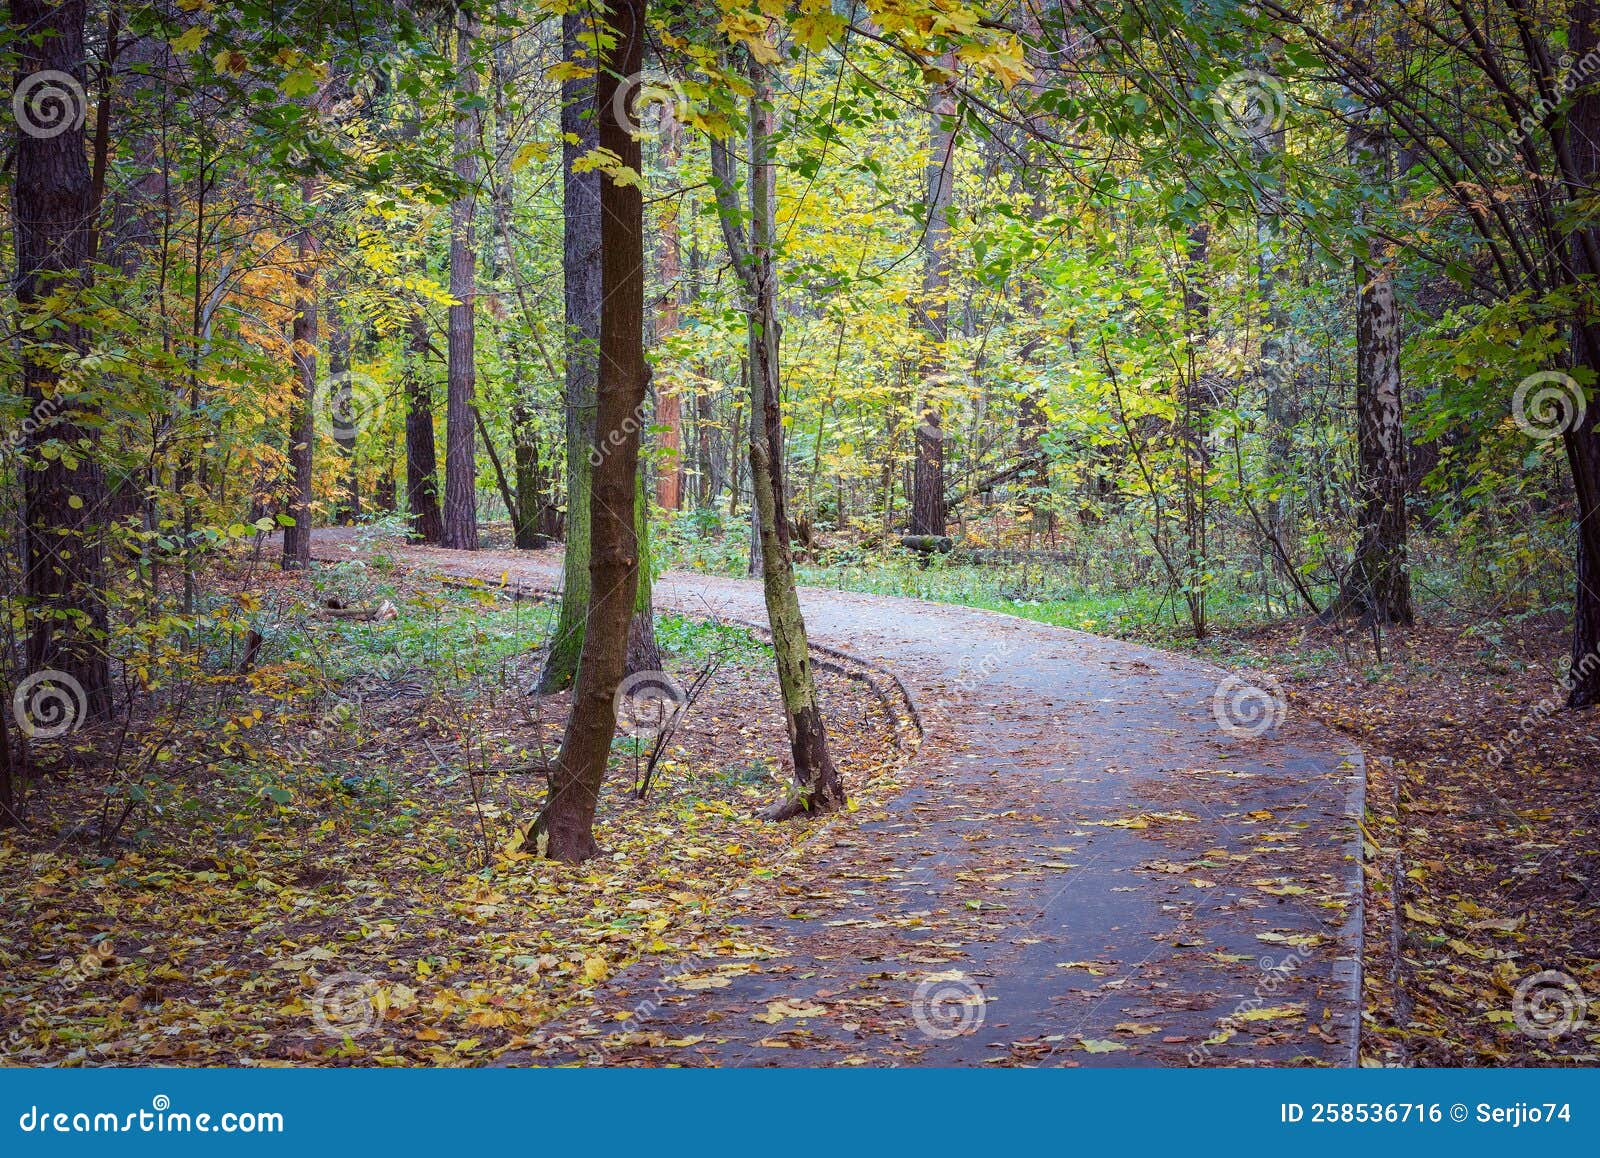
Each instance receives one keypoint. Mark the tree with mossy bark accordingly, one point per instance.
(581, 266)
(818, 787)
(565, 828)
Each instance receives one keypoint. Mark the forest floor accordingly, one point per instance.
(304, 864)
(1044, 885)
(1084, 869)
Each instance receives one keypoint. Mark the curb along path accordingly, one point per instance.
(1088, 867)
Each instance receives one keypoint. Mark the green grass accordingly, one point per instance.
(1045, 594)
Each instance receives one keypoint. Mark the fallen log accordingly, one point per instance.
(384, 610)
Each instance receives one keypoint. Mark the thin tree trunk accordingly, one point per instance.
(708, 444)
(620, 393)
(528, 512)
(507, 495)
(928, 514)
(64, 496)
(345, 429)
(818, 785)
(705, 422)
(422, 462)
(11, 770)
(302, 417)
(460, 453)
(669, 405)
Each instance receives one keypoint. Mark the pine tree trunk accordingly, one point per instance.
(581, 275)
(422, 461)
(620, 393)
(65, 503)
(460, 451)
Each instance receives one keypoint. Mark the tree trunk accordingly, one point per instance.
(422, 462)
(346, 426)
(302, 416)
(644, 654)
(705, 424)
(529, 512)
(928, 514)
(1583, 442)
(580, 265)
(669, 405)
(460, 449)
(1378, 585)
(819, 788)
(620, 393)
(11, 771)
(64, 498)
(528, 533)
(708, 444)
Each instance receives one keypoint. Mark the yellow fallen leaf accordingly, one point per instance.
(1099, 1045)
(1270, 1013)
(779, 1010)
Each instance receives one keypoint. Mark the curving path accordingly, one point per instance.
(1087, 869)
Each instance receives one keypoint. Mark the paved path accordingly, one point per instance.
(1087, 868)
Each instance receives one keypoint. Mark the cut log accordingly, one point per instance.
(384, 610)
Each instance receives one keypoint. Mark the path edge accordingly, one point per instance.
(905, 718)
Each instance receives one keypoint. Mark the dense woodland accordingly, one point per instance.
(1180, 319)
